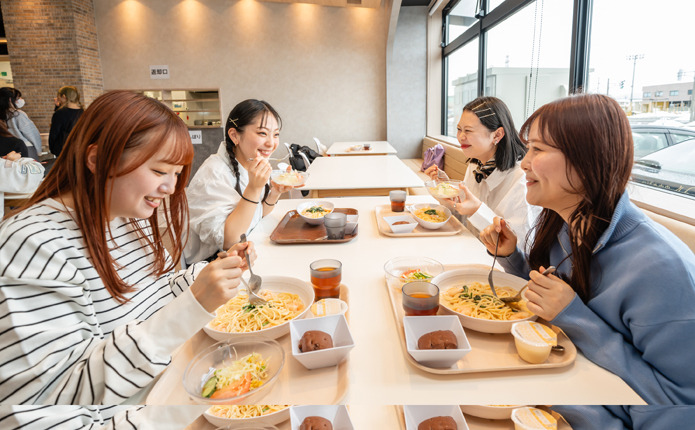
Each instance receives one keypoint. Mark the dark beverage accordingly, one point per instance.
(326, 282)
(415, 312)
(397, 206)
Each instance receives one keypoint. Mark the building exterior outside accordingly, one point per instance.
(674, 97)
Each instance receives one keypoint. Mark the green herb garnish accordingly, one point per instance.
(431, 211)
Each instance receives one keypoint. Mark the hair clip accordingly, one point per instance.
(485, 116)
(233, 121)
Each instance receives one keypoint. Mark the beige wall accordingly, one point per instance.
(322, 68)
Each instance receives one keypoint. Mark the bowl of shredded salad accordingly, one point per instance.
(401, 270)
(293, 178)
(443, 189)
(232, 373)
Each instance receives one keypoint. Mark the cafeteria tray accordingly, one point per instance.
(451, 228)
(476, 423)
(296, 385)
(292, 229)
(489, 352)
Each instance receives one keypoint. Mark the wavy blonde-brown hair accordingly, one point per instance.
(119, 123)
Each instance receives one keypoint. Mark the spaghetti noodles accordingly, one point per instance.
(240, 316)
(476, 300)
(245, 411)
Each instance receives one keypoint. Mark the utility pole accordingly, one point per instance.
(634, 59)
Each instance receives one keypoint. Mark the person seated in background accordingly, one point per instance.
(18, 174)
(9, 143)
(494, 183)
(18, 123)
(230, 193)
(625, 294)
(64, 118)
(90, 307)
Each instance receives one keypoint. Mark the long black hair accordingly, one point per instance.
(242, 115)
(493, 114)
(8, 98)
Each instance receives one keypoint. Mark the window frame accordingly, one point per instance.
(579, 56)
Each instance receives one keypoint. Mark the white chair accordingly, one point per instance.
(320, 148)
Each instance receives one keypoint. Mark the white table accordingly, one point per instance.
(379, 372)
(359, 176)
(377, 147)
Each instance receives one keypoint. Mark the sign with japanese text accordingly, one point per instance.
(159, 72)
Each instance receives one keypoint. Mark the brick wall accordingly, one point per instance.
(52, 43)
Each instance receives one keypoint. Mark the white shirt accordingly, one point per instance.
(503, 194)
(212, 196)
(64, 339)
(21, 176)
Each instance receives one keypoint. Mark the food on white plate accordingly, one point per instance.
(430, 215)
(240, 316)
(438, 339)
(314, 340)
(245, 411)
(438, 423)
(476, 300)
(315, 212)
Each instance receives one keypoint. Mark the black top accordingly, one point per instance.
(64, 119)
(9, 144)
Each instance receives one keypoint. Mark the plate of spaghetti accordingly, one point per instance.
(230, 415)
(288, 299)
(466, 293)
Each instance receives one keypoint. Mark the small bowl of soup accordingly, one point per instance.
(313, 211)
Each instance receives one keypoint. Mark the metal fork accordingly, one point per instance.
(489, 276)
(516, 298)
(255, 281)
(546, 272)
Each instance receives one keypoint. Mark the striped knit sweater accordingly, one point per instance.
(63, 338)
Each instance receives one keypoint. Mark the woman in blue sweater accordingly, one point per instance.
(626, 294)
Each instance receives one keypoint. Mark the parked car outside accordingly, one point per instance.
(651, 138)
(670, 169)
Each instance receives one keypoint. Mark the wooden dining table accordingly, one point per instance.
(359, 176)
(379, 371)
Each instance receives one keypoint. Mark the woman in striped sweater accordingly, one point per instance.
(90, 309)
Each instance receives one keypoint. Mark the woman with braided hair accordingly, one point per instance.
(230, 192)
(494, 182)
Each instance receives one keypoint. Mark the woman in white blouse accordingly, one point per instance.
(90, 309)
(494, 183)
(230, 193)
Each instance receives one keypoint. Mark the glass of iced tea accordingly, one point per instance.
(420, 298)
(397, 198)
(325, 278)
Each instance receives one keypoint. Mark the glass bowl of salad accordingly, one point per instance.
(443, 189)
(401, 270)
(233, 373)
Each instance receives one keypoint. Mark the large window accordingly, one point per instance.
(527, 58)
(530, 52)
(641, 58)
(462, 69)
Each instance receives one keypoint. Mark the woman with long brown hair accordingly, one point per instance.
(90, 309)
(625, 286)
